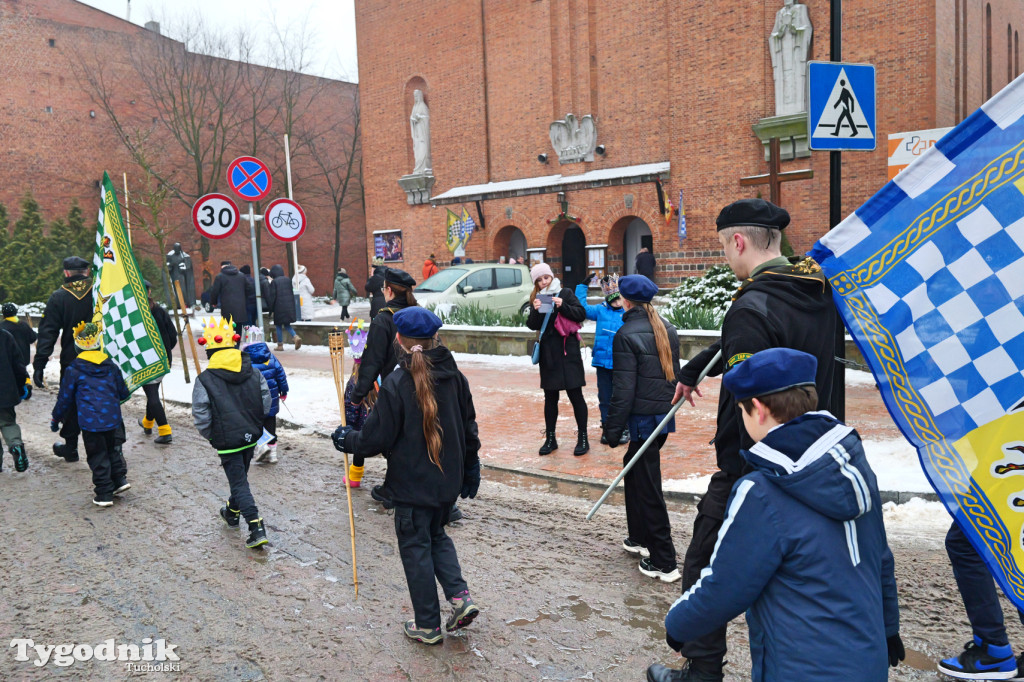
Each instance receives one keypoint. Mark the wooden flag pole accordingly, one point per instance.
(336, 343)
(188, 328)
(181, 343)
(127, 211)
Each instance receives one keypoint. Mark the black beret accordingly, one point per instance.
(225, 262)
(75, 263)
(147, 284)
(753, 212)
(10, 310)
(400, 277)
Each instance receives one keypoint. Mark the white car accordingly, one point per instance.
(492, 286)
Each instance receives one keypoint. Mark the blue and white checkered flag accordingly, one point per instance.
(929, 277)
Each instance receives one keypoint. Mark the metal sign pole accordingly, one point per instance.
(837, 403)
(256, 268)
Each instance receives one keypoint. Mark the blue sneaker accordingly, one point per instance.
(981, 661)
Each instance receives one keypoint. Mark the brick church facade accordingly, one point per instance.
(674, 90)
(56, 141)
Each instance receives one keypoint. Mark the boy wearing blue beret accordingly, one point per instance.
(425, 424)
(803, 548)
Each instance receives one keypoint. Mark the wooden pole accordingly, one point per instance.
(188, 328)
(181, 342)
(127, 211)
(336, 343)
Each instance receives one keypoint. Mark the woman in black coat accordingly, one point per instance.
(645, 355)
(561, 363)
(282, 304)
(375, 290)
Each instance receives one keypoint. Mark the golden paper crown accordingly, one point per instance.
(219, 334)
(88, 335)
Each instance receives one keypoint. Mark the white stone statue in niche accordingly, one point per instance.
(790, 44)
(419, 121)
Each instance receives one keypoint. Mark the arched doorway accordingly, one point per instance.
(637, 236)
(574, 256)
(509, 241)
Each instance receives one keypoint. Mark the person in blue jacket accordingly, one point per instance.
(277, 381)
(608, 316)
(93, 387)
(803, 548)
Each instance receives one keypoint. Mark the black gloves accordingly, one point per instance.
(896, 651)
(471, 480)
(37, 377)
(613, 442)
(676, 646)
(54, 425)
(339, 437)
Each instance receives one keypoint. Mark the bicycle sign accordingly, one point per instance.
(285, 219)
(215, 216)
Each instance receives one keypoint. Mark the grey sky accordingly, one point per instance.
(331, 23)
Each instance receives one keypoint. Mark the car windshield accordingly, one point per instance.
(441, 280)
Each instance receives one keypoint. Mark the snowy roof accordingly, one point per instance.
(622, 175)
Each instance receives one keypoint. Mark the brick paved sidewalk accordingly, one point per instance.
(510, 405)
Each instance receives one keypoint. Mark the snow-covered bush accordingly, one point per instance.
(701, 302)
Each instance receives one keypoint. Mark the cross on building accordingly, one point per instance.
(774, 178)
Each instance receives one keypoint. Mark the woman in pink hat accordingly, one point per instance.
(557, 314)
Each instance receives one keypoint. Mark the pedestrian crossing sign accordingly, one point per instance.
(841, 111)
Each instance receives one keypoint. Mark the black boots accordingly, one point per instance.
(229, 515)
(694, 671)
(550, 444)
(257, 534)
(63, 451)
(582, 444)
(20, 458)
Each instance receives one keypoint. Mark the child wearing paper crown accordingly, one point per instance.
(229, 401)
(425, 397)
(277, 382)
(356, 413)
(93, 383)
(803, 548)
(608, 316)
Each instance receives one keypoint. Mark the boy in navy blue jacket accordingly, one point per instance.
(803, 548)
(93, 383)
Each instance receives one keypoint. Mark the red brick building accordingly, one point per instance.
(674, 88)
(56, 140)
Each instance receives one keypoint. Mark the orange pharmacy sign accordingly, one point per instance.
(906, 147)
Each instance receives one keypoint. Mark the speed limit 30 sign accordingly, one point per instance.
(215, 216)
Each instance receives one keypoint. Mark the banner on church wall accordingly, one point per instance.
(387, 244)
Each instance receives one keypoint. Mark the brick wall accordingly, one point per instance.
(666, 81)
(60, 156)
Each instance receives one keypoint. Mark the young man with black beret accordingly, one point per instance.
(66, 308)
(780, 304)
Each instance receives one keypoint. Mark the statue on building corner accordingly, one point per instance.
(789, 45)
(419, 122)
(179, 269)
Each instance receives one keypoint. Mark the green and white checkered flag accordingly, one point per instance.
(130, 334)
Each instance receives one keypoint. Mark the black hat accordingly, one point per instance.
(770, 371)
(225, 262)
(148, 285)
(75, 263)
(753, 212)
(9, 310)
(264, 271)
(400, 277)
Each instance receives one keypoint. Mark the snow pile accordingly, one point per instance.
(916, 514)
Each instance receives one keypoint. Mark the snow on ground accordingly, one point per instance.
(916, 515)
(856, 377)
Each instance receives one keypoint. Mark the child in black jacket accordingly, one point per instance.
(426, 396)
(12, 391)
(24, 337)
(229, 401)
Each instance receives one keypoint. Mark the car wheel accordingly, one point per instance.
(525, 310)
